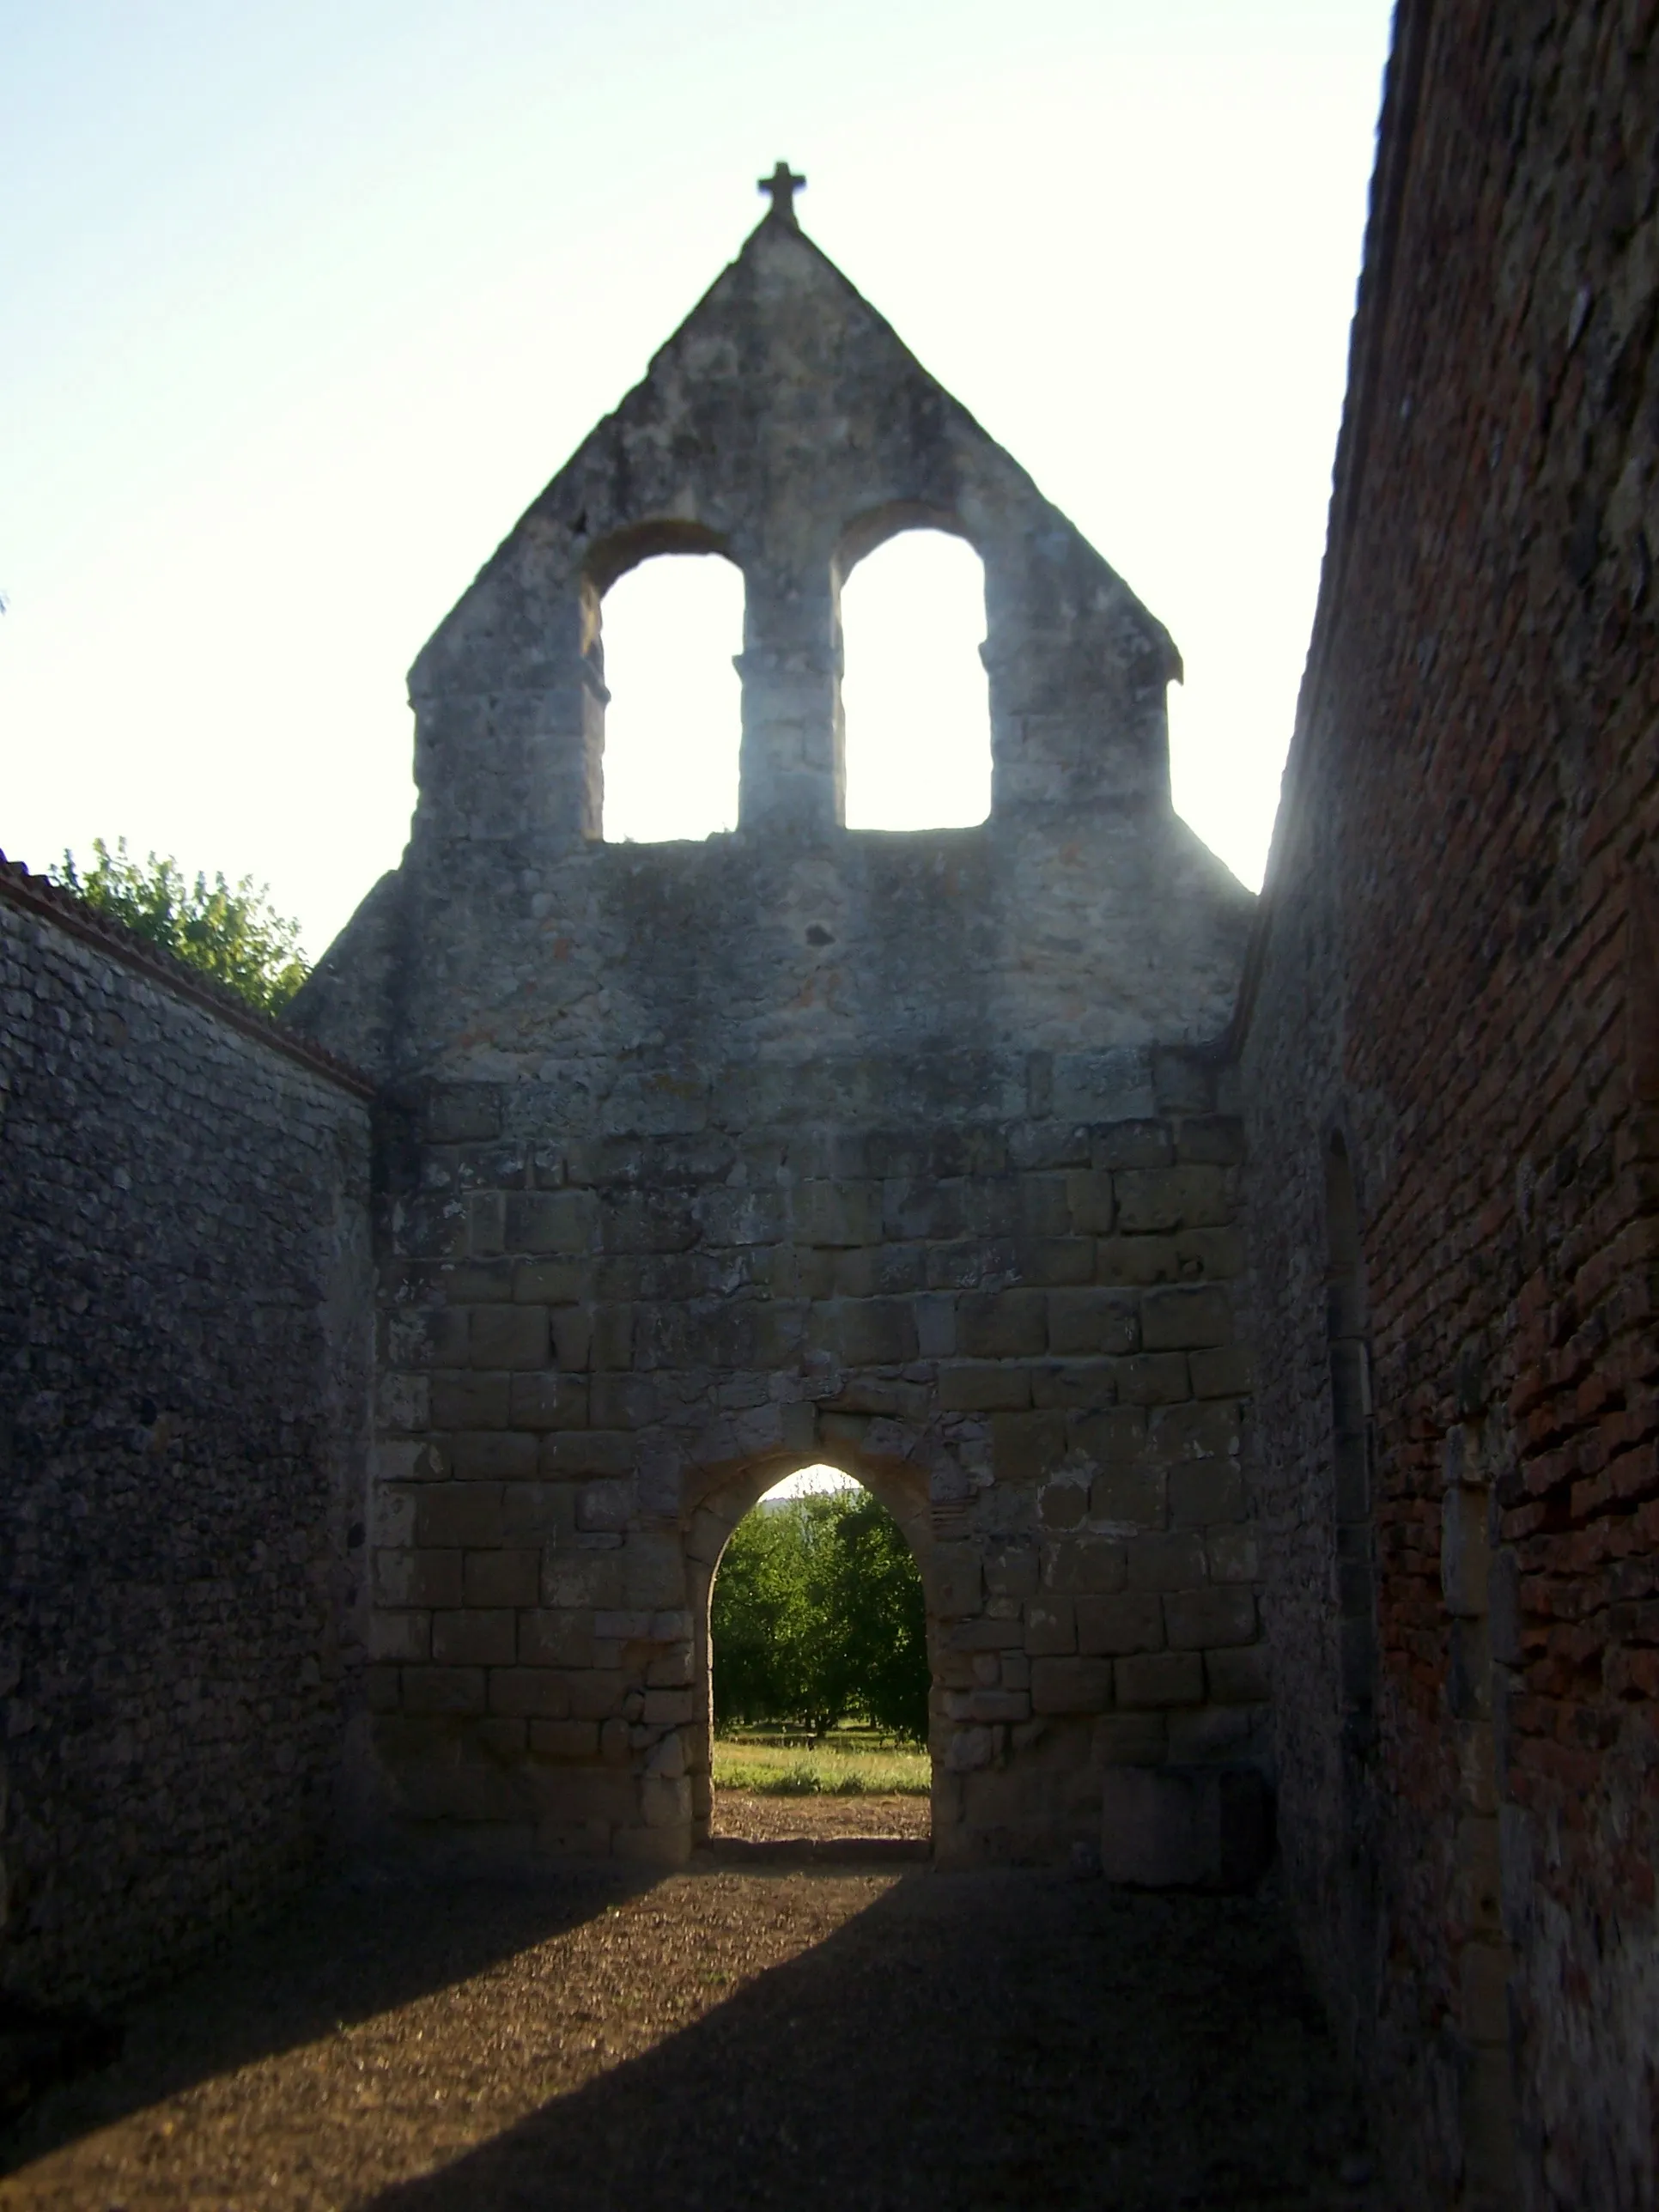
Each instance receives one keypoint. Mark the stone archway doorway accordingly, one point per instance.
(714, 1509)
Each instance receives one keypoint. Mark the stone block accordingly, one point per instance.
(1154, 1378)
(537, 1513)
(1179, 1319)
(1138, 1262)
(1132, 1144)
(382, 1689)
(544, 1401)
(572, 1338)
(550, 1282)
(1231, 1553)
(1129, 1498)
(985, 1264)
(501, 1577)
(836, 1213)
(1173, 1198)
(956, 1581)
(1071, 1686)
(612, 1341)
(557, 1221)
(1116, 1626)
(866, 1332)
(1089, 1201)
(417, 1578)
(459, 1513)
(879, 1271)
(1197, 1618)
(1005, 1705)
(1002, 1324)
(1086, 1564)
(461, 1112)
(492, 1456)
(1206, 1492)
(1051, 1630)
(1165, 1563)
(1129, 1738)
(986, 1633)
(1113, 1438)
(469, 1400)
(1092, 1320)
(573, 1452)
(596, 1695)
(1042, 1206)
(671, 1708)
(604, 1507)
(1238, 1677)
(1185, 1828)
(1063, 1503)
(561, 1740)
(443, 1690)
(399, 1636)
(987, 1387)
(1159, 1678)
(1024, 1447)
(1110, 1085)
(529, 1691)
(551, 1637)
(1059, 1261)
(475, 1636)
(507, 1336)
(1224, 1371)
(1083, 1386)
(1012, 1572)
(1210, 1139)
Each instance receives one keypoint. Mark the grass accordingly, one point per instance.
(853, 1768)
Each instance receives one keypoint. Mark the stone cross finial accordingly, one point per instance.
(783, 184)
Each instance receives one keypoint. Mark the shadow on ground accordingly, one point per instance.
(942, 2042)
(352, 1948)
(965, 2042)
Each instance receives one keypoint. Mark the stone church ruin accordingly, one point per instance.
(1246, 1310)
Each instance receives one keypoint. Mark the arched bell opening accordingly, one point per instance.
(662, 628)
(913, 711)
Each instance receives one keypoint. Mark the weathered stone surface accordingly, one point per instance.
(184, 1294)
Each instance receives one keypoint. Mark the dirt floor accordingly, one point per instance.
(868, 2041)
(763, 1817)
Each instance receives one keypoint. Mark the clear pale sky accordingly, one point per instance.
(299, 307)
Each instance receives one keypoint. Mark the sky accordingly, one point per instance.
(300, 307)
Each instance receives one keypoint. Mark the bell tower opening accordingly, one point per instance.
(670, 630)
(915, 703)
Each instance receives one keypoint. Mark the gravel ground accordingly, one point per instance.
(763, 1817)
(942, 2042)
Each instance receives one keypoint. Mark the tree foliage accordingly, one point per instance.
(818, 1618)
(228, 932)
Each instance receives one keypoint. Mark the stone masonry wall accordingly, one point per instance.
(721, 1157)
(185, 1295)
(1458, 992)
(1017, 1326)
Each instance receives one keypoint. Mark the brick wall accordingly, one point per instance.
(1455, 991)
(184, 1299)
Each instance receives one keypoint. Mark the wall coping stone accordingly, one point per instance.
(39, 895)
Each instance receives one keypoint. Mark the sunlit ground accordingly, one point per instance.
(718, 2039)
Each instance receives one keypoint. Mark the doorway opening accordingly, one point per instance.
(820, 1672)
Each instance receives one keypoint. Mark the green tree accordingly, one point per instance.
(228, 932)
(819, 1617)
